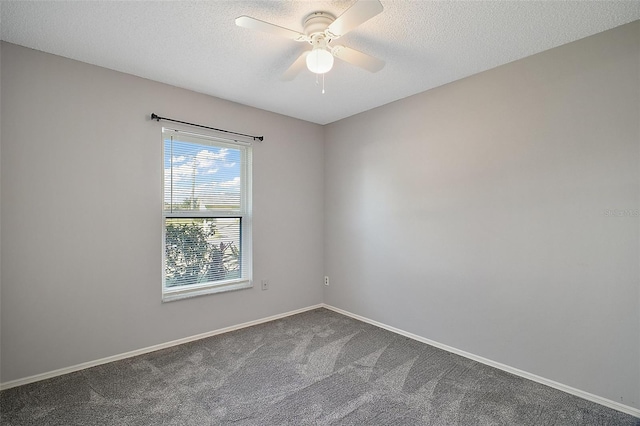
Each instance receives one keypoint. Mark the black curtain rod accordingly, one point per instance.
(158, 118)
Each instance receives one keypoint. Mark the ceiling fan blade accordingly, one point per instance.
(358, 59)
(256, 24)
(296, 67)
(360, 12)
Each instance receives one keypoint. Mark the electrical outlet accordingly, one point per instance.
(326, 280)
(265, 284)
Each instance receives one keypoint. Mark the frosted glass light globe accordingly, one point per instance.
(319, 60)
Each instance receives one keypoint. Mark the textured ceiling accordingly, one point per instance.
(196, 44)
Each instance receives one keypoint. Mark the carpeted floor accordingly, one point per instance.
(315, 368)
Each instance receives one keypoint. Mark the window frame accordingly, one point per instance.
(244, 214)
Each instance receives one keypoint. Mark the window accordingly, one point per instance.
(206, 215)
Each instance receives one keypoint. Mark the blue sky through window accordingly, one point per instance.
(200, 176)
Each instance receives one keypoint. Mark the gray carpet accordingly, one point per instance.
(315, 368)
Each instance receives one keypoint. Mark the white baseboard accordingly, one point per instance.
(568, 389)
(84, 365)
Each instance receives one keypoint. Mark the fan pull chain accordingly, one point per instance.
(318, 81)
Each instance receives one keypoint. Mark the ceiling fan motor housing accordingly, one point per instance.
(317, 23)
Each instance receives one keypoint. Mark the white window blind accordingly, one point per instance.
(206, 212)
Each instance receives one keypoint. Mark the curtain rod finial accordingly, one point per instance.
(154, 117)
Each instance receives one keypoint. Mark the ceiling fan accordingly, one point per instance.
(320, 29)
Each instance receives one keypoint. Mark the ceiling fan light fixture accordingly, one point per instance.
(319, 60)
(320, 28)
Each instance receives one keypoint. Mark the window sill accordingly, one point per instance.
(171, 295)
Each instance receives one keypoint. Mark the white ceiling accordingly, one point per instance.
(196, 44)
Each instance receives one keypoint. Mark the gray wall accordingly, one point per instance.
(81, 214)
(475, 214)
